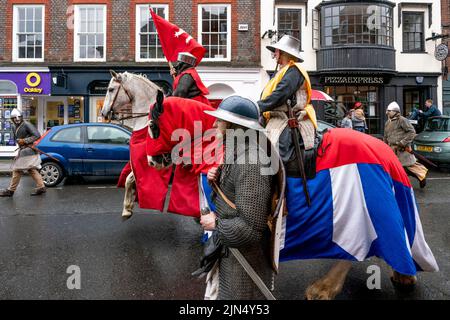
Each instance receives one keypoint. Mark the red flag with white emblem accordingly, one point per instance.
(174, 40)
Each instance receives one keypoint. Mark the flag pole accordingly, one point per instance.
(172, 69)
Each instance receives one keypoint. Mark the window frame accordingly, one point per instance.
(110, 128)
(422, 41)
(362, 38)
(138, 29)
(53, 138)
(199, 29)
(277, 21)
(15, 41)
(76, 30)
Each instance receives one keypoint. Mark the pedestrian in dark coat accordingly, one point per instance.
(27, 159)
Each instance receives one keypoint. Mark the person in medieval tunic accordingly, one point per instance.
(243, 184)
(399, 134)
(290, 84)
(187, 82)
(27, 159)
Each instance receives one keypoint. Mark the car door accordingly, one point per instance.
(68, 143)
(107, 149)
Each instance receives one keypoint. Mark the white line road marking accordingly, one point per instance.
(443, 178)
(104, 187)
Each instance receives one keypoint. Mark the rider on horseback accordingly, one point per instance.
(289, 88)
(187, 83)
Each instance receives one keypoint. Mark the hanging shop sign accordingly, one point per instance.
(29, 83)
(441, 52)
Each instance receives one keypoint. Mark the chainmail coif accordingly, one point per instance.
(244, 228)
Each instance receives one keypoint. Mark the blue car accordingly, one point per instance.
(87, 149)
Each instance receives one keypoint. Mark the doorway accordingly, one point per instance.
(55, 112)
(96, 109)
(414, 98)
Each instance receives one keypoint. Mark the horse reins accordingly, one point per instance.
(133, 115)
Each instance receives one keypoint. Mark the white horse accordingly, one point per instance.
(129, 97)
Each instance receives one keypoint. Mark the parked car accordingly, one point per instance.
(87, 149)
(434, 142)
(322, 126)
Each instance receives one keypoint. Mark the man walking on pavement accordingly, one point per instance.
(27, 158)
(399, 134)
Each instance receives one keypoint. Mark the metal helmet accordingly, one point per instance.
(16, 114)
(238, 110)
(188, 58)
(288, 44)
(393, 106)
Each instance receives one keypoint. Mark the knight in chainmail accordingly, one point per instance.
(243, 184)
(27, 158)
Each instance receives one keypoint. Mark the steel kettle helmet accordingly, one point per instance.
(238, 110)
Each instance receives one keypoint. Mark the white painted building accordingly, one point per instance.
(372, 51)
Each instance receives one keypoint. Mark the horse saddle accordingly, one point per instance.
(309, 159)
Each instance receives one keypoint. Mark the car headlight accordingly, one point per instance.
(437, 149)
(414, 147)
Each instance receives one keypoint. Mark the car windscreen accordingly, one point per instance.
(438, 124)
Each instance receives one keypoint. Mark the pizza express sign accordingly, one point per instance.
(29, 83)
(353, 80)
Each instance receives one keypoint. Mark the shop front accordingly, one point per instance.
(375, 91)
(24, 89)
(78, 93)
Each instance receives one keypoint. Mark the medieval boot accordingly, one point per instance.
(38, 192)
(6, 193)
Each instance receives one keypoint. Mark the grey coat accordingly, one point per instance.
(26, 158)
(30, 134)
(244, 228)
(398, 134)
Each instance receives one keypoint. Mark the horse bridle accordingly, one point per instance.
(130, 98)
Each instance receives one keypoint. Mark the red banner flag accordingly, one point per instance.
(174, 40)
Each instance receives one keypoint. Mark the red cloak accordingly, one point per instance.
(151, 184)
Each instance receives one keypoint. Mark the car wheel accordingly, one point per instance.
(52, 174)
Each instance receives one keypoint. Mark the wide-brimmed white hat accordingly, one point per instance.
(288, 44)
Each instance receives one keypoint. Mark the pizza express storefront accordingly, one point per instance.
(356, 61)
(375, 92)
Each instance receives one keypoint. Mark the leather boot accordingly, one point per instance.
(423, 183)
(38, 192)
(6, 193)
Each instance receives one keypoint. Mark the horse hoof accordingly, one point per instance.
(321, 290)
(126, 215)
(404, 284)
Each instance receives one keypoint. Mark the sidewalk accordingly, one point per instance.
(5, 166)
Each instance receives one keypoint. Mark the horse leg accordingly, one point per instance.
(130, 196)
(402, 282)
(330, 285)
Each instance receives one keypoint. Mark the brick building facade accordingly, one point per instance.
(70, 46)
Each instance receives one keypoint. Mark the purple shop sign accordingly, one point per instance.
(29, 83)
